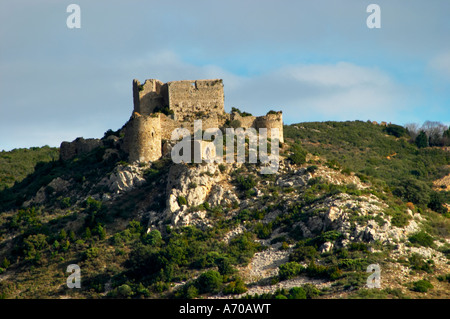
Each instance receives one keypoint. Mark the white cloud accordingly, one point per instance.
(342, 91)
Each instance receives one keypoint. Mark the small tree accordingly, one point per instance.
(289, 270)
(101, 232)
(224, 265)
(422, 285)
(437, 201)
(421, 140)
(209, 281)
(446, 137)
(298, 155)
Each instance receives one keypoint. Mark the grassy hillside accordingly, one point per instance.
(15, 165)
(390, 162)
(120, 258)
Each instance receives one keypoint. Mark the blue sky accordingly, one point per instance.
(315, 60)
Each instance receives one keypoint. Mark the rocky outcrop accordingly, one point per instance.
(341, 213)
(55, 186)
(190, 186)
(124, 178)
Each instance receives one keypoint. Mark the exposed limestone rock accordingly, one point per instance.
(193, 183)
(265, 264)
(326, 247)
(124, 178)
(338, 215)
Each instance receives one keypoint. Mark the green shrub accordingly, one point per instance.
(417, 262)
(100, 231)
(191, 292)
(311, 291)
(243, 114)
(318, 271)
(5, 263)
(399, 218)
(437, 201)
(224, 266)
(192, 185)
(444, 278)
(65, 202)
(263, 230)
(297, 293)
(298, 155)
(422, 238)
(413, 190)
(242, 247)
(124, 291)
(182, 200)
(222, 168)
(235, 124)
(235, 287)
(346, 171)
(303, 253)
(246, 182)
(289, 270)
(422, 286)
(153, 238)
(353, 264)
(396, 130)
(91, 253)
(33, 245)
(209, 282)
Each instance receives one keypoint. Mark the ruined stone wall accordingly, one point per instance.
(188, 98)
(246, 121)
(148, 96)
(270, 121)
(142, 140)
(77, 147)
(168, 125)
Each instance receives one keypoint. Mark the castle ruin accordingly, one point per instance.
(160, 108)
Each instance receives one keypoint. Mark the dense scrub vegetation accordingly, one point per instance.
(383, 155)
(121, 258)
(15, 165)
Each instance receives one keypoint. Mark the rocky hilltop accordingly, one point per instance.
(347, 198)
(216, 230)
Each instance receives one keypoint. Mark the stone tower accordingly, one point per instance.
(269, 121)
(142, 140)
(148, 96)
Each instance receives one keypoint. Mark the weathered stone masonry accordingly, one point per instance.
(184, 98)
(184, 101)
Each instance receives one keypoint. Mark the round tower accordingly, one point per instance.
(269, 121)
(142, 140)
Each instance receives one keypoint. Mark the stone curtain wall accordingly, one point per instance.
(268, 121)
(77, 147)
(190, 98)
(168, 125)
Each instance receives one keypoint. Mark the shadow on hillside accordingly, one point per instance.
(81, 168)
